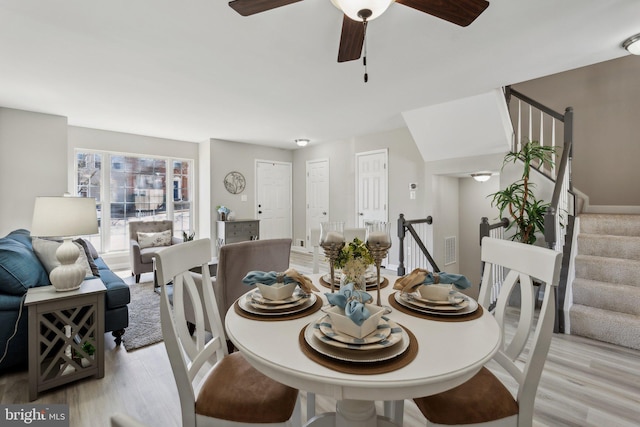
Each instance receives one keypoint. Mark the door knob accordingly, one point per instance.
(324, 213)
(361, 214)
(259, 212)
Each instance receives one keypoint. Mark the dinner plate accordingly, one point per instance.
(382, 331)
(370, 281)
(349, 355)
(245, 304)
(280, 307)
(257, 297)
(411, 299)
(472, 307)
(416, 296)
(393, 338)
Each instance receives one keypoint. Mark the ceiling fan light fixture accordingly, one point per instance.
(481, 176)
(359, 10)
(632, 44)
(302, 142)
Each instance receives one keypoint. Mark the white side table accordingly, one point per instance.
(61, 326)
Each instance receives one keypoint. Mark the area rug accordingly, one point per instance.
(144, 317)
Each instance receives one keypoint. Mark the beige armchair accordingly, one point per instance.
(141, 257)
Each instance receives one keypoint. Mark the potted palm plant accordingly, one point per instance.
(518, 200)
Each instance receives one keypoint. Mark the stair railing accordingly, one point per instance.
(412, 244)
(561, 211)
(498, 272)
(527, 112)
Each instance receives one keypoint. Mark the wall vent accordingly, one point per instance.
(449, 250)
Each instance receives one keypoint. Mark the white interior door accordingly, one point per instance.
(317, 195)
(371, 178)
(273, 199)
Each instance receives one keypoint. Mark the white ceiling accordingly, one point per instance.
(194, 70)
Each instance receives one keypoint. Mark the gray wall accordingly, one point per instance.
(33, 150)
(606, 101)
(227, 156)
(405, 166)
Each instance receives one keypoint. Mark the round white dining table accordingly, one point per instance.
(449, 353)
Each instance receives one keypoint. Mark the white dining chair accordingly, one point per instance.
(484, 400)
(215, 388)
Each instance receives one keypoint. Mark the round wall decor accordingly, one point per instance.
(234, 182)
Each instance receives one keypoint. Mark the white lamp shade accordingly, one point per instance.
(352, 7)
(64, 217)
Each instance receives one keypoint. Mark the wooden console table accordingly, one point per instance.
(61, 327)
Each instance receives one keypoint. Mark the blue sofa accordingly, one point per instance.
(21, 269)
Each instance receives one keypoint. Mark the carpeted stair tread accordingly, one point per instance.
(612, 224)
(603, 269)
(610, 246)
(607, 296)
(604, 325)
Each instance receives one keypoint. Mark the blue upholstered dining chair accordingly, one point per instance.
(215, 388)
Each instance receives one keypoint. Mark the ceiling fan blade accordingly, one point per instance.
(250, 7)
(460, 12)
(351, 40)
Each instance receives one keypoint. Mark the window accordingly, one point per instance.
(137, 190)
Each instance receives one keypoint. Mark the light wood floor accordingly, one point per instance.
(584, 383)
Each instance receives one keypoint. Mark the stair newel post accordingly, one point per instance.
(401, 234)
(550, 227)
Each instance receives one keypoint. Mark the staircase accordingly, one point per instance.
(606, 288)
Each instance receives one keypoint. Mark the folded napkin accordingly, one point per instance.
(352, 301)
(420, 276)
(272, 277)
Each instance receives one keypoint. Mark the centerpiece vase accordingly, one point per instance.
(354, 272)
(332, 241)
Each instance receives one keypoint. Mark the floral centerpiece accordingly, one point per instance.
(353, 260)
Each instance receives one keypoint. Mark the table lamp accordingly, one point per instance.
(65, 217)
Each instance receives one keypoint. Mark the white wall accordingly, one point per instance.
(405, 166)
(33, 152)
(442, 220)
(473, 205)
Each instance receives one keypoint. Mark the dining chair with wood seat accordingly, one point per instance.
(215, 388)
(484, 399)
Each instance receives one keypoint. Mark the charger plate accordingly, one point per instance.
(382, 331)
(246, 304)
(257, 297)
(347, 355)
(276, 317)
(411, 299)
(418, 312)
(273, 307)
(369, 286)
(356, 368)
(393, 338)
(416, 295)
(472, 305)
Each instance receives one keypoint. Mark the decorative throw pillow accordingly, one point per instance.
(87, 252)
(46, 252)
(151, 240)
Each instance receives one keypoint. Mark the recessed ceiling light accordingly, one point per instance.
(632, 44)
(302, 142)
(481, 176)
